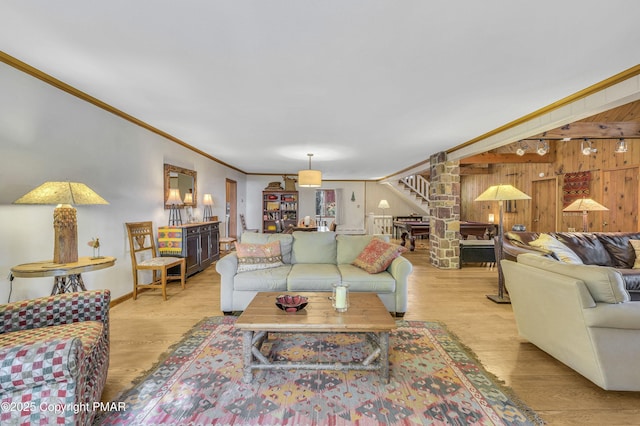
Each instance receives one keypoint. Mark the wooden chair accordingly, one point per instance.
(243, 222)
(142, 245)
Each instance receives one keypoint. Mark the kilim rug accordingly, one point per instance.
(435, 380)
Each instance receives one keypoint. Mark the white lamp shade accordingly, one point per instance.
(188, 198)
(174, 197)
(383, 204)
(309, 178)
(502, 193)
(207, 200)
(585, 205)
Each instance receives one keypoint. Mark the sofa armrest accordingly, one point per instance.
(400, 269)
(59, 309)
(30, 365)
(227, 267)
(614, 315)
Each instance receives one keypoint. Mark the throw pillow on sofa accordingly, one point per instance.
(377, 256)
(252, 257)
(560, 250)
(636, 247)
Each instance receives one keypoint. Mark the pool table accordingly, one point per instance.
(413, 229)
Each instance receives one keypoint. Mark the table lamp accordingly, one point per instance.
(208, 211)
(174, 200)
(501, 193)
(64, 194)
(585, 205)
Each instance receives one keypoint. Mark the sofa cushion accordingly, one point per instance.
(560, 251)
(314, 247)
(604, 283)
(636, 248)
(286, 241)
(587, 246)
(313, 277)
(273, 279)
(350, 246)
(631, 279)
(360, 280)
(252, 257)
(617, 244)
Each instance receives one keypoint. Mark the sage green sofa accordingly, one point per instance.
(313, 261)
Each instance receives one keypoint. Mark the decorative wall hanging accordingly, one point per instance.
(576, 185)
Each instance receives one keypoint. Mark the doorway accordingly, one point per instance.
(231, 209)
(544, 205)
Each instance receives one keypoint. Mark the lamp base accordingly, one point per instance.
(65, 243)
(497, 299)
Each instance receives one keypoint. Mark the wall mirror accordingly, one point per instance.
(184, 180)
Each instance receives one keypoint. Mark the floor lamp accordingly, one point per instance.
(501, 193)
(585, 205)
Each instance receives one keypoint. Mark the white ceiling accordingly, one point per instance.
(370, 87)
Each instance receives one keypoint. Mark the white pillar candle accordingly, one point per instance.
(341, 297)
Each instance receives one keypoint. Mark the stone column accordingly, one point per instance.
(444, 210)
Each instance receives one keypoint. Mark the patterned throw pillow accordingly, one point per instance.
(377, 256)
(559, 249)
(252, 257)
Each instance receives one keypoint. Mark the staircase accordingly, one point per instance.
(414, 189)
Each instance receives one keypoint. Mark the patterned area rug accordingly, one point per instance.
(434, 381)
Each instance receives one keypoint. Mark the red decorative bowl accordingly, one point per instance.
(291, 303)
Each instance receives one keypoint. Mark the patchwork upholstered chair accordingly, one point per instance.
(54, 352)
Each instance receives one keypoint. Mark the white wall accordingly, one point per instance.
(48, 135)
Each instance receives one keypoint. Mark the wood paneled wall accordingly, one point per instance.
(614, 184)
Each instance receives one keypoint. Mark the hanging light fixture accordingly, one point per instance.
(621, 147)
(522, 148)
(543, 147)
(587, 148)
(309, 178)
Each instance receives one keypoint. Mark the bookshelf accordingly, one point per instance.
(279, 206)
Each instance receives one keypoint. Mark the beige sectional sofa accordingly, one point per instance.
(579, 314)
(313, 261)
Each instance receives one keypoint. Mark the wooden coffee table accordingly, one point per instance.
(367, 314)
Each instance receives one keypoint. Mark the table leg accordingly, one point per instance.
(403, 236)
(75, 283)
(247, 344)
(384, 356)
(59, 285)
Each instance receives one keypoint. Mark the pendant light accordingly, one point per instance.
(309, 178)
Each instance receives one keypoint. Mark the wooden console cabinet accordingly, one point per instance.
(200, 246)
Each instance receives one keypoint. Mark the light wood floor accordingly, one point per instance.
(142, 330)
